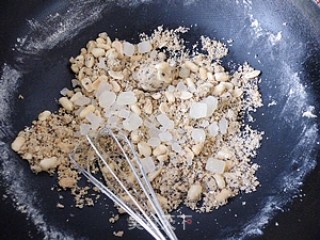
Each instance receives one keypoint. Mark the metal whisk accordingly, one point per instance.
(145, 210)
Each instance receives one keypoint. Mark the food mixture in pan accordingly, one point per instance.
(181, 109)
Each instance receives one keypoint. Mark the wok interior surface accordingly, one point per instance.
(282, 39)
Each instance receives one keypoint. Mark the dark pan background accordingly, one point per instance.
(299, 219)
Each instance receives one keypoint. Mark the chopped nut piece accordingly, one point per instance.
(87, 84)
(164, 72)
(160, 150)
(118, 233)
(118, 46)
(181, 110)
(135, 136)
(156, 96)
(252, 74)
(18, 143)
(170, 97)
(115, 86)
(144, 149)
(164, 108)
(184, 72)
(194, 193)
(193, 67)
(116, 75)
(66, 103)
(203, 73)
(220, 181)
(148, 108)
(59, 205)
(197, 148)
(86, 111)
(67, 182)
(223, 196)
(135, 108)
(114, 218)
(44, 115)
(49, 163)
(219, 89)
(221, 76)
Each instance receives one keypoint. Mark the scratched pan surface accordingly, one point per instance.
(281, 38)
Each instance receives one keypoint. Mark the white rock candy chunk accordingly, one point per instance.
(171, 88)
(185, 95)
(103, 87)
(181, 87)
(213, 129)
(176, 147)
(198, 110)
(82, 101)
(198, 135)
(203, 124)
(94, 120)
(85, 129)
(144, 47)
(148, 164)
(114, 121)
(215, 166)
(165, 136)
(133, 122)
(165, 121)
(107, 99)
(153, 131)
(223, 125)
(123, 113)
(212, 104)
(64, 91)
(126, 98)
(128, 49)
(154, 141)
(102, 64)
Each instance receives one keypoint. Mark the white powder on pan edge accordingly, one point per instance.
(11, 166)
(45, 35)
(55, 29)
(258, 31)
(59, 28)
(290, 182)
(302, 154)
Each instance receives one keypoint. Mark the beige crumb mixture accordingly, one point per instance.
(181, 110)
(118, 233)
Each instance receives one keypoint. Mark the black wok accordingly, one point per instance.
(281, 38)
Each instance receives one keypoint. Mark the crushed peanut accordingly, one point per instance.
(118, 233)
(114, 218)
(180, 109)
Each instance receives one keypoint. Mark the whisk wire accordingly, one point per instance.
(133, 199)
(147, 188)
(117, 200)
(141, 216)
